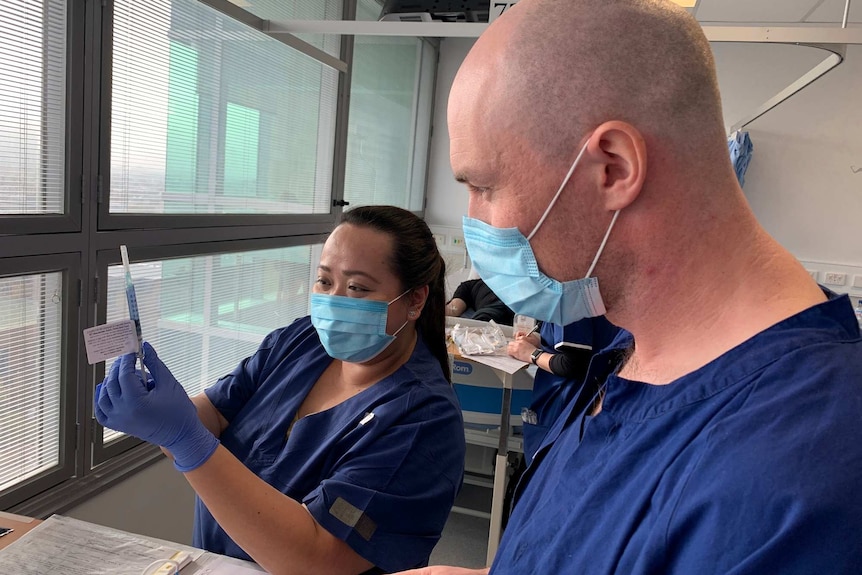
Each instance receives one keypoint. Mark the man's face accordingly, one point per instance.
(508, 183)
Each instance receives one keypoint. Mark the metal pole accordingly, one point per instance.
(846, 13)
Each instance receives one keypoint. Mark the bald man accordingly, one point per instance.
(722, 433)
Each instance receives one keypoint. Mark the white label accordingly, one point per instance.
(110, 340)
(498, 8)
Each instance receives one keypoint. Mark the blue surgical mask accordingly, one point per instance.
(505, 261)
(352, 329)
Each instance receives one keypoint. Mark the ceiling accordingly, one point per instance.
(820, 12)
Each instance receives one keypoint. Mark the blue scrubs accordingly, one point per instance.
(383, 483)
(551, 392)
(750, 464)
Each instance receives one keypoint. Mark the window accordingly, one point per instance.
(30, 375)
(212, 117)
(32, 106)
(301, 10)
(212, 148)
(204, 314)
(390, 117)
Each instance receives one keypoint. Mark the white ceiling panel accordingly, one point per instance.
(750, 11)
(832, 11)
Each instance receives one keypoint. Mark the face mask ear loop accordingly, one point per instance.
(399, 297)
(406, 322)
(560, 191)
(602, 247)
(397, 331)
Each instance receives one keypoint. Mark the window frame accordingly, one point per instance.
(101, 453)
(69, 265)
(84, 241)
(70, 219)
(320, 223)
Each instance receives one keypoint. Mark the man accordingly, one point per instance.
(475, 300)
(723, 434)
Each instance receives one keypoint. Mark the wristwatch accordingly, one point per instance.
(534, 357)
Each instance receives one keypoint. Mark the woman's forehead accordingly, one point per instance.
(357, 247)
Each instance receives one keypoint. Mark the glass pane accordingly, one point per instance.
(210, 117)
(32, 106)
(383, 102)
(30, 352)
(422, 137)
(368, 10)
(204, 314)
(279, 10)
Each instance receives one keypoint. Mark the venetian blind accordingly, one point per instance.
(30, 363)
(204, 314)
(32, 106)
(212, 117)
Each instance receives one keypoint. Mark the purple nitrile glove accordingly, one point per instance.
(158, 411)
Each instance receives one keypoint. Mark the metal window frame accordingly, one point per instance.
(69, 433)
(99, 183)
(143, 251)
(70, 219)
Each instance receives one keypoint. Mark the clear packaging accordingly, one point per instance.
(485, 340)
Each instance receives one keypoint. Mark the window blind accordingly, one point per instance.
(30, 363)
(212, 117)
(204, 314)
(32, 106)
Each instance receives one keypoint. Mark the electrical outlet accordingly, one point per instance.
(813, 274)
(857, 281)
(835, 279)
(440, 239)
(456, 241)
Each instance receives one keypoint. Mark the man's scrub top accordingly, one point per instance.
(379, 471)
(750, 464)
(551, 392)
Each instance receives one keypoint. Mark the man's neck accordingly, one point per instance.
(685, 317)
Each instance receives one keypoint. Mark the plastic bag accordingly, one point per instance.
(485, 340)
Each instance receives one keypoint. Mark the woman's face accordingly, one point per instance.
(355, 263)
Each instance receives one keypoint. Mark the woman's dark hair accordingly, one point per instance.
(416, 262)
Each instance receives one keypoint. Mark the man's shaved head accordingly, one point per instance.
(567, 66)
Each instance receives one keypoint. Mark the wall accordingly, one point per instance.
(800, 183)
(156, 501)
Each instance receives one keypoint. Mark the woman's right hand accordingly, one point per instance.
(521, 348)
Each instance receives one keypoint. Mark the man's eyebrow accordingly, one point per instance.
(350, 273)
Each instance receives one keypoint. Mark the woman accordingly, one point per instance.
(562, 355)
(338, 447)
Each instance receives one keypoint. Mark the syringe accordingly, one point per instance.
(132, 300)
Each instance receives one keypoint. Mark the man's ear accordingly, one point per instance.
(621, 151)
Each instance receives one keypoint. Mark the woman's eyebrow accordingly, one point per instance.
(350, 273)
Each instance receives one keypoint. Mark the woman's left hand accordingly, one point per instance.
(158, 410)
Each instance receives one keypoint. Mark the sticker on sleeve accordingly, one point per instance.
(354, 517)
(110, 340)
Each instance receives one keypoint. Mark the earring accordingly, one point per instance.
(412, 313)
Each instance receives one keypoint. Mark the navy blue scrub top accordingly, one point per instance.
(551, 392)
(383, 483)
(750, 464)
